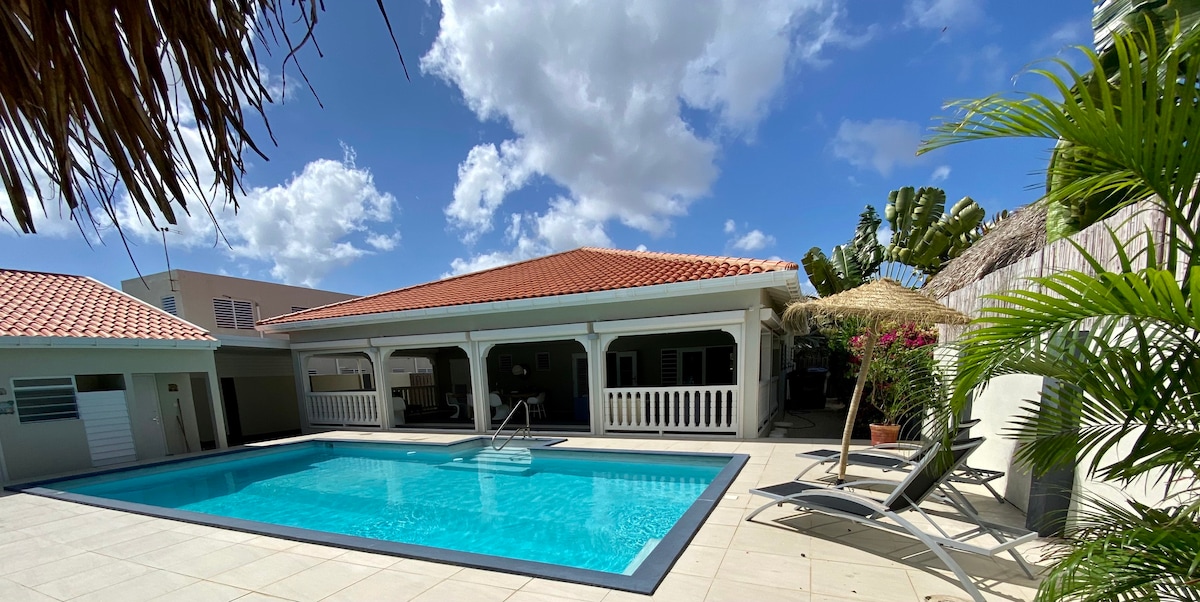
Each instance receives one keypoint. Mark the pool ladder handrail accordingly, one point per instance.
(515, 432)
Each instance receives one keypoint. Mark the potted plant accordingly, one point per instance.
(903, 378)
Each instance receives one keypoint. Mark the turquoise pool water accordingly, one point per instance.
(598, 511)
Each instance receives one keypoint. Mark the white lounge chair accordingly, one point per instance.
(925, 478)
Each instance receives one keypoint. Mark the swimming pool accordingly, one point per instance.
(608, 518)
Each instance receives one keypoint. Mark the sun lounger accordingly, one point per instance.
(923, 480)
(885, 457)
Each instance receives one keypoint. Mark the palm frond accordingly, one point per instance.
(96, 94)
(1128, 552)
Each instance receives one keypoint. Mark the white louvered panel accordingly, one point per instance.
(223, 312)
(106, 422)
(243, 312)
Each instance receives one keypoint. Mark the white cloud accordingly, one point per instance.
(305, 227)
(594, 94)
(884, 235)
(753, 241)
(383, 242)
(640, 248)
(730, 226)
(1071, 33)
(484, 178)
(879, 144)
(940, 14)
(940, 174)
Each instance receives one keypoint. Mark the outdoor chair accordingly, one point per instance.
(537, 405)
(500, 410)
(905, 497)
(887, 457)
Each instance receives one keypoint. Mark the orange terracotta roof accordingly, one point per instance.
(36, 304)
(580, 271)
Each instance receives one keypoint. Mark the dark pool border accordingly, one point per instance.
(644, 580)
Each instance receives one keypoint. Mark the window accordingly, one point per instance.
(541, 361)
(297, 308)
(168, 305)
(233, 313)
(45, 399)
(505, 364)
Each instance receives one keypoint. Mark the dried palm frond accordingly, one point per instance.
(95, 95)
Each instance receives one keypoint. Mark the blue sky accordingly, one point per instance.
(718, 128)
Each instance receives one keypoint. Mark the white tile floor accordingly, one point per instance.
(56, 550)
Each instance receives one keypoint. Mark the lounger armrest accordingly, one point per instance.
(897, 445)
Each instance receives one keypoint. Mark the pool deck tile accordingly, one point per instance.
(58, 550)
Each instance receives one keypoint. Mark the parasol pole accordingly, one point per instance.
(859, 385)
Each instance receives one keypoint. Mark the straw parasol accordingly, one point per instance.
(878, 300)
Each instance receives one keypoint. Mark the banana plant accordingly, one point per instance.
(852, 263)
(924, 235)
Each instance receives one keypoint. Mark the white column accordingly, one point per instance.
(477, 354)
(300, 367)
(592, 350)
(215, 402)
(599, 364)
(748, 348)
(383, 393)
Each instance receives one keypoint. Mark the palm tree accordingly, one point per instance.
(94, 95)
(1123, 345)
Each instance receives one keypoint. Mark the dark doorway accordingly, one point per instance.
(232, 418)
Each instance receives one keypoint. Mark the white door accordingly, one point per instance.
(146, 418)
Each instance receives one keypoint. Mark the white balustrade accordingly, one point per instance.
(351, 408)
(691, 409)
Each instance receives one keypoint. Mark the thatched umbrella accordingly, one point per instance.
(877, 301)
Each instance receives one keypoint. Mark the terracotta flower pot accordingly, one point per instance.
(884, 433)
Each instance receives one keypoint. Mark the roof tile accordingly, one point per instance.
(578, 271)
(37, 304)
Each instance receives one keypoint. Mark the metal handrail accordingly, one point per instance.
(515, 432)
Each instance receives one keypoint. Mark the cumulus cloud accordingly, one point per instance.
(940, 174)
(753, 241)
(305, 227)
(940, 14)
(879, 144)
(594, 94)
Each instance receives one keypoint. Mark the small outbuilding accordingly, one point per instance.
(90, 376)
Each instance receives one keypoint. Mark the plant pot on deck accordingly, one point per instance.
(884, 433)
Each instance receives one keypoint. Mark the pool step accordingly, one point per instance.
(507, 461)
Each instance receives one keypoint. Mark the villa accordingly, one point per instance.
(605, 341)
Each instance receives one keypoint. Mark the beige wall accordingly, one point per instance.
(194, 292)
(38, 449)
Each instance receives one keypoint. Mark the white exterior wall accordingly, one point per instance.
(39, 449)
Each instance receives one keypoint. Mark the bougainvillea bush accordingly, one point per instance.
(902, 375)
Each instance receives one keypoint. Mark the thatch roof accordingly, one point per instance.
(883, 299)
(1013, 239)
